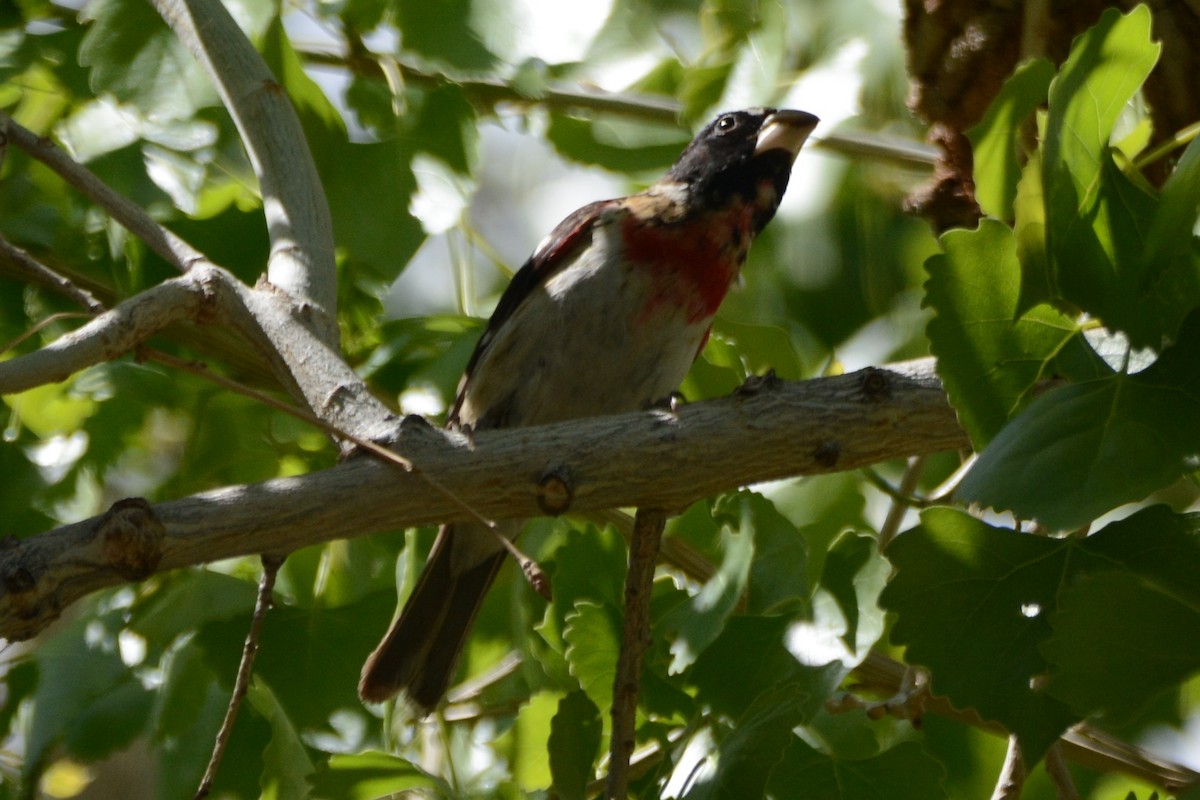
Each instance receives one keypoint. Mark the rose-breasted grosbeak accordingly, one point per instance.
(607, 316)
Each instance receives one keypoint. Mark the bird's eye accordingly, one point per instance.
(727, 123)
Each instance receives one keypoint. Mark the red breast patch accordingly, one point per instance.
(692, 263)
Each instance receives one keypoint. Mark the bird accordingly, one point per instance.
(605, 317)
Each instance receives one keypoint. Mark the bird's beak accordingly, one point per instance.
(785, 130)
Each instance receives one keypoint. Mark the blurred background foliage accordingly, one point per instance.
(450, 136)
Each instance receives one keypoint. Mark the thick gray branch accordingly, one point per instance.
(298, 220)
(117, 331)
(648, 459)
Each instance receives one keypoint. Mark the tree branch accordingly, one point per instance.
(116, 332)
(564, 97)
(298, 220)
(779, 430)
(34, 271)
(635, 638)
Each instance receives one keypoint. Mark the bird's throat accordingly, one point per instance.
(691, 264)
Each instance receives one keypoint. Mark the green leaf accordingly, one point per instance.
(188, 601)
(1096, 217)
(855, 574)
(286, 766)
(972, 604)
(778, 578)
(135, 56)
(371, 775)
(1106, 66)
(366, 183)
(695, 625)
(1080, 450)
(310, 657)
(1146, 646)
(996, 139)
(751, 653)
(444, 33)
(593, 639)
(761, 348)
(574, 743)
(443, 124)
(530, 759)
(626, 147)
(988, 359)
(745, 758)
(1149, 601)
(904, 772)
(1169, 272)
(589, 567)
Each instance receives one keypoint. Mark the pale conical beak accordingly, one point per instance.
(785, 130)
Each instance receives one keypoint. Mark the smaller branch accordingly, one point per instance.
(469, 691)
(1012, 775)
(32, 270)
(114, 332)
(907, 488)
(635, 638)
(568, 98)
(174, 250)
(266, 586)
(675, 552)
(41, 325)
(879, 482)
(1056, 768)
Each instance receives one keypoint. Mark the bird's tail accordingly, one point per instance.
(420, 651)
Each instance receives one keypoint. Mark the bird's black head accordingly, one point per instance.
(739, 152)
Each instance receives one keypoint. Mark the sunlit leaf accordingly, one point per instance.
(988, 358)
(996, 139)
(1080, 450)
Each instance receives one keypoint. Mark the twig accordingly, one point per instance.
(635, 638)
(1081, 744)
(881, 483)
(1056, 768)
(1012, 775)
(115, 332)
(174, 250)
(41, 325)
(266, 586)
(907, 488)
(32, 269)
(568, 98)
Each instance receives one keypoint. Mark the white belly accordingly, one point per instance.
(579, 346)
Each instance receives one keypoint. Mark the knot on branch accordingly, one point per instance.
(25, 608)
(131, 538)
(827, 453)
(876, 385)
(19, 583)
(755, 384)
(555, 491)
